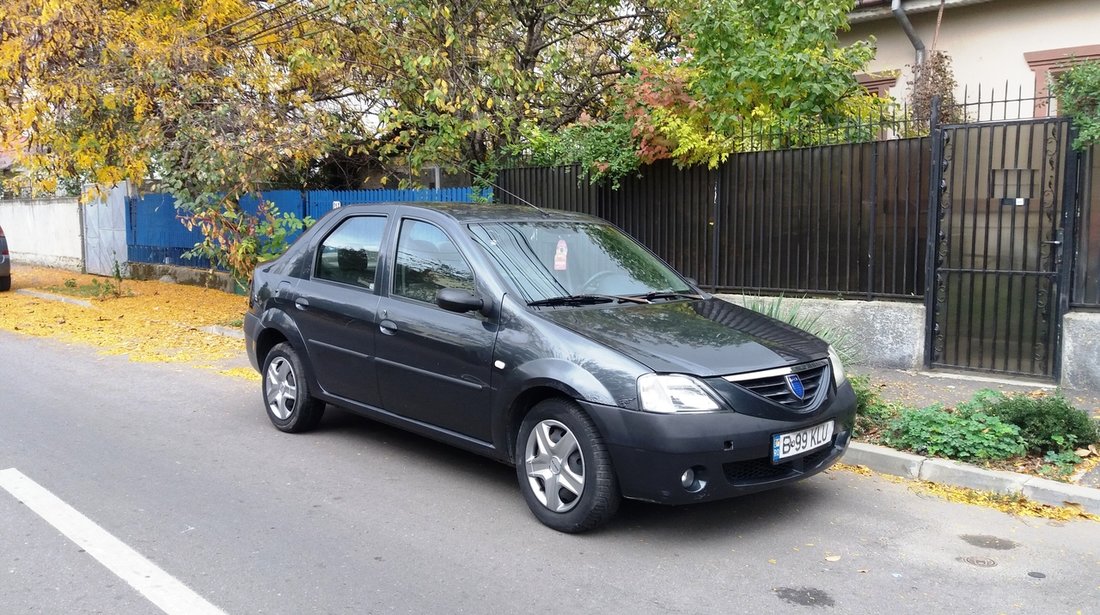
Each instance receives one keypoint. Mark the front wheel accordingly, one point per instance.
(564, 469)
(289, 404)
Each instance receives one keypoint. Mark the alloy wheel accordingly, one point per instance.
(282, 388)
(554, 465)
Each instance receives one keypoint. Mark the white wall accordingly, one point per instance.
(44, 231)
(986, 41)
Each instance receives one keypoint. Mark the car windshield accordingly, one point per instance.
(551, 260)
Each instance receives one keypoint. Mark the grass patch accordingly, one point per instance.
(95, 289)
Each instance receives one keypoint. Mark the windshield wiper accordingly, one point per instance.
(584, 300)
(669, 294)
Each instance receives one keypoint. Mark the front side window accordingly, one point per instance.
(350, 253)
(427, 261)
(553, 259)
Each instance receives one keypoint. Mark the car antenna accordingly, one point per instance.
(511, 194)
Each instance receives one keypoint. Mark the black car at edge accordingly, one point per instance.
(547, 340)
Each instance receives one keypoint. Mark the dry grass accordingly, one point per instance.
(151, 322)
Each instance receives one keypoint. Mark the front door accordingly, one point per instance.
(433, 365)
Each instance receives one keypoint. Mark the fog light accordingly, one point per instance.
(688, 478)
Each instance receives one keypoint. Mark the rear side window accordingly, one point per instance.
(350, 253)
(427, 261)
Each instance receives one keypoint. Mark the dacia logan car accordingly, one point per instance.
(547, 340)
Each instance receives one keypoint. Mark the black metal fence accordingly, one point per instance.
(845, 220)
(829, 218)
(1086, 274)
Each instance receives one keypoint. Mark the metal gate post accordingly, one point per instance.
(1067, 251)
(935, 198)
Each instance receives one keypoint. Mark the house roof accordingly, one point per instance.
(873, 10)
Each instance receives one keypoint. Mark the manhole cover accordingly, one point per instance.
(977, 560)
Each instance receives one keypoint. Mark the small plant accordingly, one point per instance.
(70, 283)
(873, 414)
(1059, 465)
(958, 434)
(792, 314)
(934, 77)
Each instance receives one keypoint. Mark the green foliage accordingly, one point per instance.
(96, 289)
(1059, 464)
(1046, 422)
(746, 76)
(873, 414)
(603, 150)
(1078, 92)
(958, 434)
(238, 241)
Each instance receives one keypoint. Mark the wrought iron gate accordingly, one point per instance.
(1002, 224)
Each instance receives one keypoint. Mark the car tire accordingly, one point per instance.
(564, 469)
(5, 283)
(286, 392)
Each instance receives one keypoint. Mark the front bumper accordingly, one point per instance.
(729, 452)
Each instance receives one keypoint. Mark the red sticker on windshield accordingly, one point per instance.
(561, 256)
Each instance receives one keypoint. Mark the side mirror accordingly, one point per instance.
(458, 300)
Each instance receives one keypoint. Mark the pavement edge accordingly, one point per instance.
(907, 465)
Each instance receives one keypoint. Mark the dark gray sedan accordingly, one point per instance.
(547, 340)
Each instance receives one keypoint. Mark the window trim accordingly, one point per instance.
(1047, 61)
(879, 83)
(315, 267)
(391, 290)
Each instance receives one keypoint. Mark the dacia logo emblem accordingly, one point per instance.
(794, 383)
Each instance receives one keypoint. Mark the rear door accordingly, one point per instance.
(336, 309)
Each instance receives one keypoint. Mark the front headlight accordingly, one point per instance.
(839, 377)
(668, 393)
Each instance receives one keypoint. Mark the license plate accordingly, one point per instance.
(791, 444)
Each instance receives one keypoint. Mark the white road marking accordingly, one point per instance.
(159, 587)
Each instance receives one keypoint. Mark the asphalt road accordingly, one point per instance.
(182, 466)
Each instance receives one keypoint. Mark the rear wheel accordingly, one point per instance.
(289, 404)
(5, 283)
(564, 469)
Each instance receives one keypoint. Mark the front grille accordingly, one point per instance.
(745, 473)
(772, 384)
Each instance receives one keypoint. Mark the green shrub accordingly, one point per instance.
(873, 414)
(964, 435)
(1047, 423)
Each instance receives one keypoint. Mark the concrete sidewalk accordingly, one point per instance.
(922, 389)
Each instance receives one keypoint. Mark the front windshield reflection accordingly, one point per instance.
(556, 259)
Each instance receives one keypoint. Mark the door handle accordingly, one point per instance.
(1054, 242)
(388, 327)
(301, 303)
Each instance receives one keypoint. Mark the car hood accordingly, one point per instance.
(708, 337)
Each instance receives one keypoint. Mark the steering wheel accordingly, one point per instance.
(593, 283)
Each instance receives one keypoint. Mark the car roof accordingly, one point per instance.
(465, 212)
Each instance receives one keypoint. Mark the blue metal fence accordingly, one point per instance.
(318, 202)
(155, 233)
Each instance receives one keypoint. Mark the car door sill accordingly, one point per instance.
(420, 427)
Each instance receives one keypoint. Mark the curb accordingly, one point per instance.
(53, 297)
(233, 332)
(907, 465)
